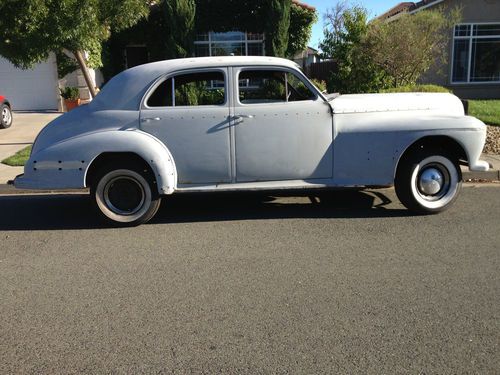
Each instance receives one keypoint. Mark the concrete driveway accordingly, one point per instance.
(22, 133)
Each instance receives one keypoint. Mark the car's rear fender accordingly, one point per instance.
(65, 165)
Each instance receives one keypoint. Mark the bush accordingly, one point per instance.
(417, 88)
(70, 93)
(321, 85)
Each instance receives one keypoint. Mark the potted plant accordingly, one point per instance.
(71, 97)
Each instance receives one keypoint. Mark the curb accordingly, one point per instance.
(492, 175)
(6, 189)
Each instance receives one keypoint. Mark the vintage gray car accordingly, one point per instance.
(249, 123)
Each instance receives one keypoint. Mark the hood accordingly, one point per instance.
(444, 104)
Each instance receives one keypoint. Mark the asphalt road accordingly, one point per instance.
(248, 283)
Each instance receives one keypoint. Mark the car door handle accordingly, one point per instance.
(244, 116)
(147, 119)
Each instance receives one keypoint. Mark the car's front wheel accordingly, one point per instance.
(428, 181)
(5, 116)
(125, 196)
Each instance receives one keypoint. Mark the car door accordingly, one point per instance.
(283, 129)
(189, 112)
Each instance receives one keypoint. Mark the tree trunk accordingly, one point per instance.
(86, 75)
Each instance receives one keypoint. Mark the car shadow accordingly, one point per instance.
(74, 211)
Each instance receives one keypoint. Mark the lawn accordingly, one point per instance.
(488, 111)
(19, 158)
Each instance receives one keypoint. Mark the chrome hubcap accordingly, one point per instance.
(431, 181)
(6, 116)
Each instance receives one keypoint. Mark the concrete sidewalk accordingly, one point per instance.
(22, 133)
(27, 125)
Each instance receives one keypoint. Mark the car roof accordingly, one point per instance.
(125, 90)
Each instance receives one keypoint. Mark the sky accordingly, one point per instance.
(375, 7)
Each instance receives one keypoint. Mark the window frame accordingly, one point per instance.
(210, 42)
(471, 37)
(298, 74)
(165, 77)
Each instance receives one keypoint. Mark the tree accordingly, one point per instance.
(179, 22)
(278, 23)
(344, 33)
(31, 29)
(300, 30)
(379, 54)
(407, 47)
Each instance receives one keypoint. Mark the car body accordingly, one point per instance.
(5, 113)
(249, 123)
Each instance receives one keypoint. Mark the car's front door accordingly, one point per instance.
(283, 130)
(189, 112)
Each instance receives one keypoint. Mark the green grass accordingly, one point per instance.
(417, 88)
(19, 158)
(488, 111)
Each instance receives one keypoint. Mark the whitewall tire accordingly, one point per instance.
(428, 182)
(125, 196)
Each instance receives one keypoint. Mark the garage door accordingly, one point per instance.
(33, 89)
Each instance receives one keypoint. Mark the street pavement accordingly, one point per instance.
(338, 283)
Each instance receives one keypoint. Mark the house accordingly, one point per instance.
(222, 28)
(307, 57)
(472, 69)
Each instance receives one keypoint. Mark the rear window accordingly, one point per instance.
(192, 89)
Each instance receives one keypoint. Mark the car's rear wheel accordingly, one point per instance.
(428, 181)
(5, 116)
(125, 196)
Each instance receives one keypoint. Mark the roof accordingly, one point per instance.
(302, 5)
(408, 7)
(125, 90)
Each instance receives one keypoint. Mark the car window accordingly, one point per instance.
(271, 86)
(192, 89)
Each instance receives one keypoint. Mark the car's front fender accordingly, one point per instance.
(65, 164)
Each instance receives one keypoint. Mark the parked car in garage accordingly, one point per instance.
(5, 113)
(250, 123)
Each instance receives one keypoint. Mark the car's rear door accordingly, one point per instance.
(189, 112)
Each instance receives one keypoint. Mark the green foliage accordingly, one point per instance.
(31, 29)
(343, 37)
(19, 159)
(417, 88)
(408, 46)
(321, 85)
(231, 15)
(300, 30)
(167, 33)
(278, 23)
(377, 55)
(179, 24)
(487, 111)
(65, 64)
(70, 93)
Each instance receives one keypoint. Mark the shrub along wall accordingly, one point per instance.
(169, 33)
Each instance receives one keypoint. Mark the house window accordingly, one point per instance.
(230, 43)
(476, 53)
